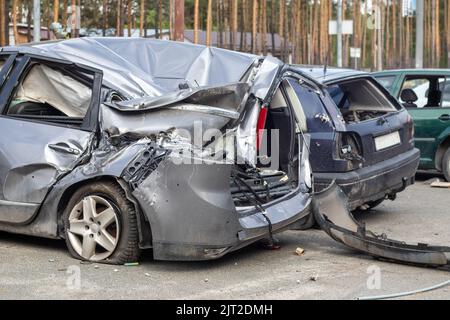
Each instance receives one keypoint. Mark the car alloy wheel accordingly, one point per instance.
(94, 230)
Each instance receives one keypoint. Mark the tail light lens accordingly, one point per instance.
(260, 127)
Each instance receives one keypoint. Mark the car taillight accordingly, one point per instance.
(260, 127)
(411, 129)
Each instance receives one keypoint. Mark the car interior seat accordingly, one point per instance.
(410, 98)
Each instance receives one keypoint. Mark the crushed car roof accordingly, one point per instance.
(326, 75)
(147, 67)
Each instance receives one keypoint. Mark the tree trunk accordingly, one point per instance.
(387, 53)
(179, 20)
(315, 33)
(160, 14)
(141, 19)
(357, 36)
(64, 13)
(209, 23)
(171, 19)
(400, 34)
(73, 19)
(437, 34)
(219, 23)
(55, 10)
(2, 23)
(263, 27)
(129, 17)
(254, 26)
(244, 14)
(196, 18)
(234, 23)
(119, 13)
(281, 28)
(14, 19)
(105, 17)
(273, 13)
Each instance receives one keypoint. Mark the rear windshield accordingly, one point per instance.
(359, 95)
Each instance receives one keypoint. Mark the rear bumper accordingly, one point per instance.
(192, 214)
(374, 182)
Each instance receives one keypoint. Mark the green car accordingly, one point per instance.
(425, 93)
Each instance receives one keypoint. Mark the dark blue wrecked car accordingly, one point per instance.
(361, 136)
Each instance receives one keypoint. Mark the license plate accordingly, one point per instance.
(387, 141)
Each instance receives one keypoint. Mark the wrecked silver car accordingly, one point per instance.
(118, 145)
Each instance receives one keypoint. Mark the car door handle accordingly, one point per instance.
(444, 117)
(64, 148)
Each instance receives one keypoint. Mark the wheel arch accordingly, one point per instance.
(145, 233)
(440, 152)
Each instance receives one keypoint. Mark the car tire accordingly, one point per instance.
(446, 165)
(100, 225)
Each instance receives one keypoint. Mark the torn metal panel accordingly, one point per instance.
(151, 124)
(333, 216)
(229, 96)
(266, 76)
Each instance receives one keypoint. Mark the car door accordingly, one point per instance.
(45, 129)
(431, 116)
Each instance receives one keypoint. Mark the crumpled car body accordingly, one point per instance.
(96, 148)
(118, 145)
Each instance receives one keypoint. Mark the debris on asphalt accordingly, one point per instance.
(51, 260)
(300, 251)
(206, 280)
(131, 264)
(116, 270)
(298, 281)
(96, 267)
(441, 184)
(147, 274)
(314, 277)
(432, 180)
(62, 269)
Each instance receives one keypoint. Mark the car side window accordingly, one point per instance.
(446, 93)
(386, 81)
(423, 92)
(48, 93)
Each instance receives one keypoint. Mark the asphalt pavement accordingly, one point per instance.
(34, 268)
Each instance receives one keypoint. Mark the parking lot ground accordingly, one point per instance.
(33, 268)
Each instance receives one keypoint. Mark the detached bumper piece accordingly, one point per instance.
(333, 216)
